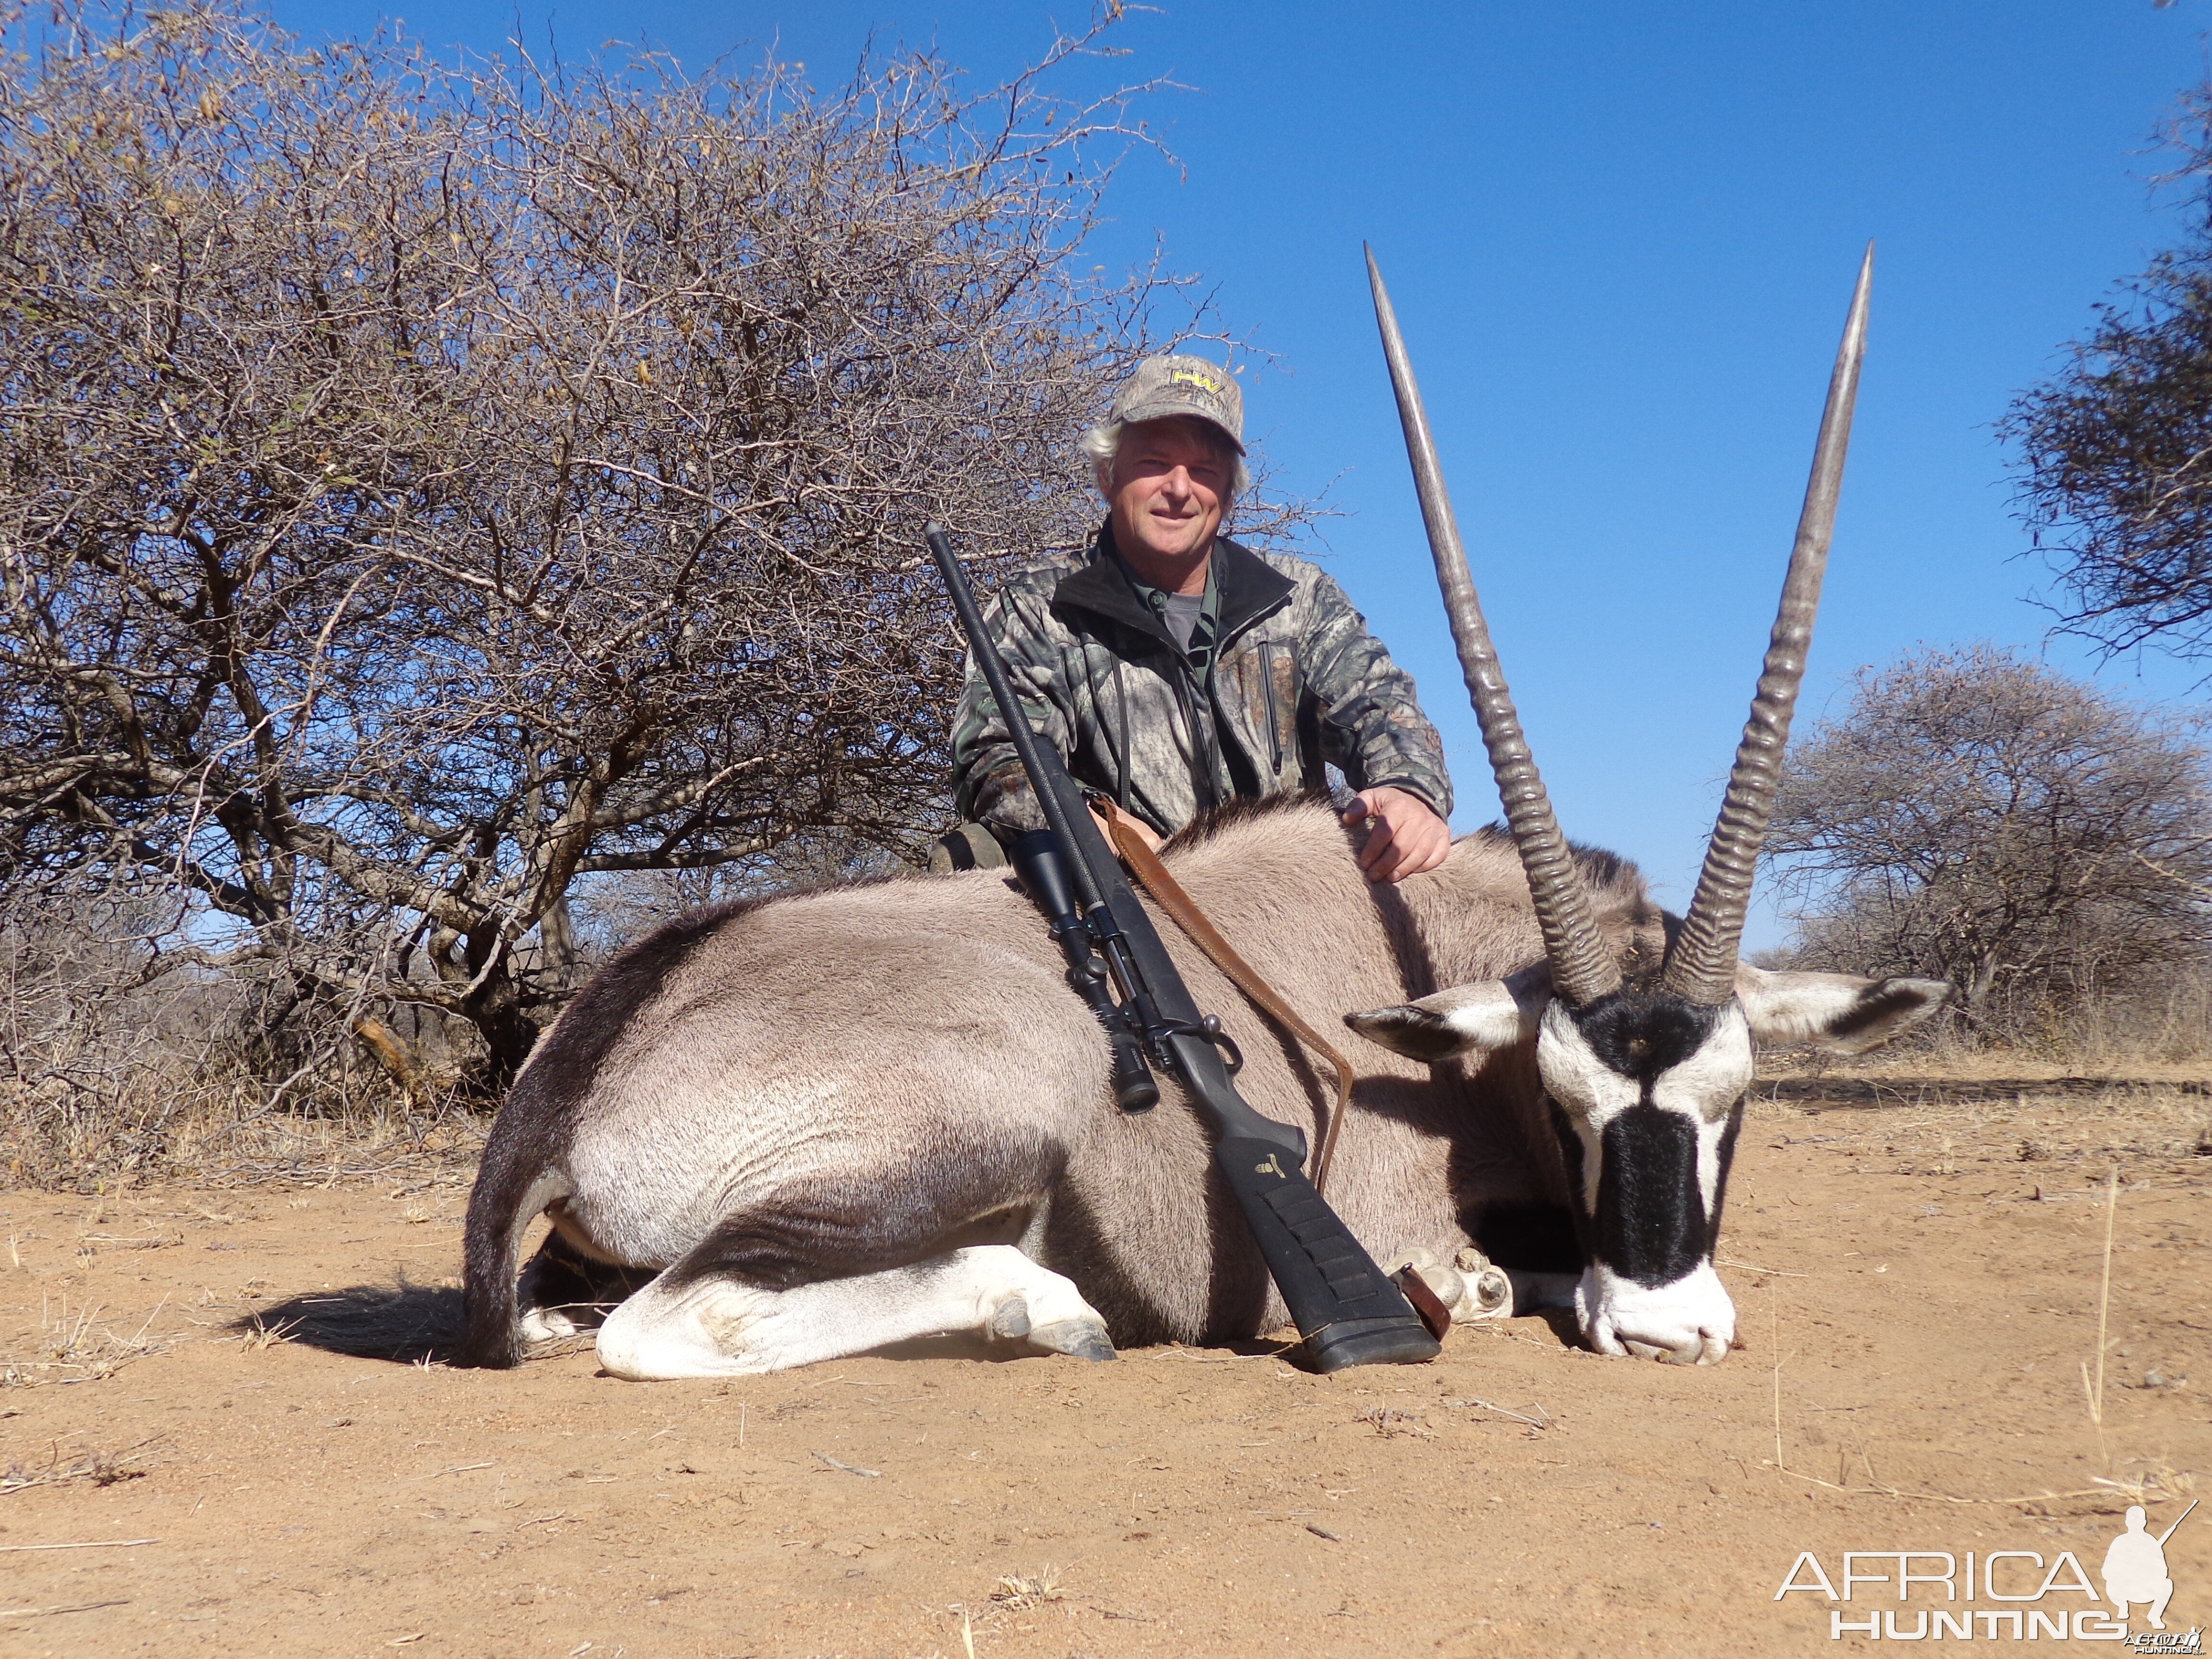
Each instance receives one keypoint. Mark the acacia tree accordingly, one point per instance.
(2116, 449)
(424, 485)
(1979, 817)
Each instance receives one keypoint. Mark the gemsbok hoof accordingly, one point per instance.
(1082, 1334)
(546, 1325)
(1080, 1338)
(1009, 1321)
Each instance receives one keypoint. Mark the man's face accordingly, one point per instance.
(1170, 485)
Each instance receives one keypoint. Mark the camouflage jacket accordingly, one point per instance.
(1297, 683)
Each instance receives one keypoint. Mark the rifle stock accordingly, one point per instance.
(1345, 1308)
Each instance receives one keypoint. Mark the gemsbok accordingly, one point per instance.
(820, 1125)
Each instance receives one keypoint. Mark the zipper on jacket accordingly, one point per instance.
(1274, 714)
(1204, 740)
(1128, 739)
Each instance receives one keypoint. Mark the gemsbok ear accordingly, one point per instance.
(1840, 1013)
(1488, 1015)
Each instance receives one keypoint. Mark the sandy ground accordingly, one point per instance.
(1917, 1265)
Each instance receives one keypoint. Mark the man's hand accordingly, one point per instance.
(1407, 837)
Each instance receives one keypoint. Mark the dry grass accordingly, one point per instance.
(164, 1119)
(107, 1078)
(94, 1468)
(77, 1348)
(258, 1333)
(1018, 1590)
(2094, 1391)
(2075, 1119)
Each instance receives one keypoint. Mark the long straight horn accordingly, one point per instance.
(1701, 966)
(1582, 968)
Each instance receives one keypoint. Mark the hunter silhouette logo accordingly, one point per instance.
(2134, 1569)
(2029, 1595)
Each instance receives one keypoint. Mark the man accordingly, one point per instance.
(1177, 671)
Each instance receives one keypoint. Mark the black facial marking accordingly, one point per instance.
(1726, 1155)
(1540, 1238)
(1872, 1009)
(1651, 1225)
(1640, 1036)
(1414, 1032)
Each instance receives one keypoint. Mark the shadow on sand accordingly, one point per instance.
(405, 1323)
(1904, 1089)
(410, 1324)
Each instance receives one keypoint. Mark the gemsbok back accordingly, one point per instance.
(821, 1125)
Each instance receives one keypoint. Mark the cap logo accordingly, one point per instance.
(1165, 386)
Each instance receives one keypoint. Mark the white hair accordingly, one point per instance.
(1103, 444)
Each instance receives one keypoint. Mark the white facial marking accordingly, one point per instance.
(1704, 1088)
(1487, 1015)
(1690, 1321)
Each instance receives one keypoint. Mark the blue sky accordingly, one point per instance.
(1620, 236)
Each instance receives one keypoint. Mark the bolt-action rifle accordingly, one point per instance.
(1348, 1312)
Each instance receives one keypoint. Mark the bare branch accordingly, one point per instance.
(435, 491)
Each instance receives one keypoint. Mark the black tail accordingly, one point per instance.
(513, 1186)
(521, 1171)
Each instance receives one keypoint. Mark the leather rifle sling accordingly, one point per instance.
(1167, 892)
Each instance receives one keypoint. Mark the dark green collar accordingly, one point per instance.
(1246, 586)
(1156, 599)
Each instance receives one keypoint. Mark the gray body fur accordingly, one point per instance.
(867, 1077)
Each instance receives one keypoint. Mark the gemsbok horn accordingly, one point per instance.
(1583, 968)
(1700, 965)
(1701, 962)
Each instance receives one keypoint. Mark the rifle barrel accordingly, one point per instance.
(1010, 709)
(2178, 1519)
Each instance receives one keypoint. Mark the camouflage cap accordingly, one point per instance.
(1175, 385)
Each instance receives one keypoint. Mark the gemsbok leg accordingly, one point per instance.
(698, 1319)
